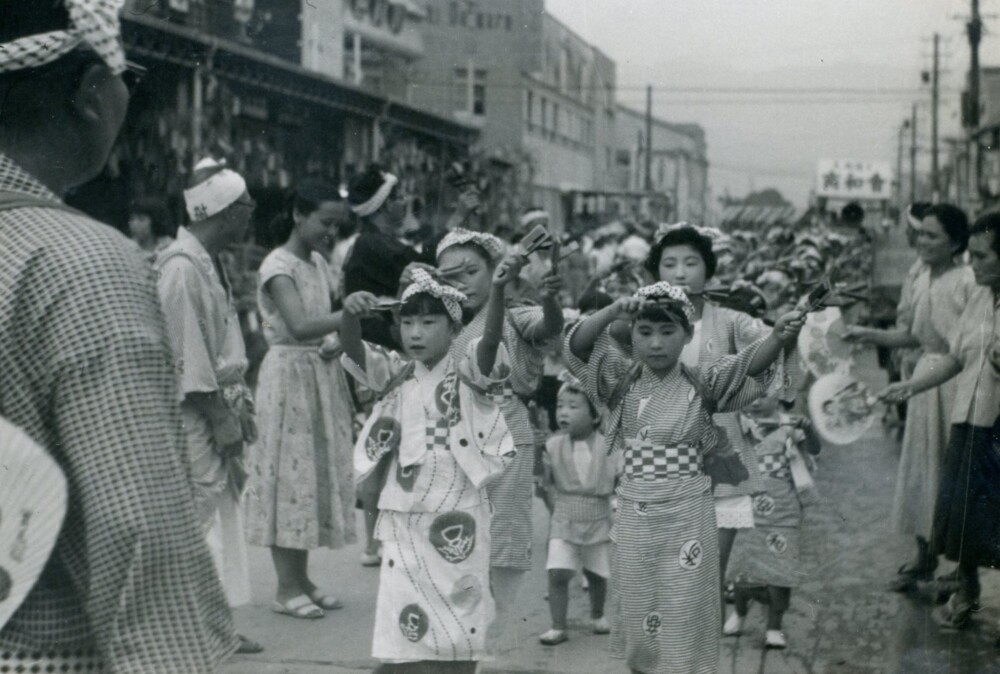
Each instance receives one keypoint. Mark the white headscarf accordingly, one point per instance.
(220, 191)
(92, 22)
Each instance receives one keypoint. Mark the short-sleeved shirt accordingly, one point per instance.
(312, 281)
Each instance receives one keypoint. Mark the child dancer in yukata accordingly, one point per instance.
(665, 610)
(766, 561)
(468, 260)
(579, 474)
(443, 438)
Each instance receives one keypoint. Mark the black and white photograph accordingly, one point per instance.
(500, 336)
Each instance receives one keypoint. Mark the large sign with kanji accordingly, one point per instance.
(850, 179)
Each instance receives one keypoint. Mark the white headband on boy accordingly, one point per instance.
(376, 201)
(220, 191)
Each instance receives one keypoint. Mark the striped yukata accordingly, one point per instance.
(664, 601)
(445, 439)
(511, 495)
(725, 332)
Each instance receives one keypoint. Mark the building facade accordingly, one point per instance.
(535, 89)
(678, 162)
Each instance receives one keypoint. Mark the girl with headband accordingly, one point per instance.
(684, 257)
(442, 438)
(665, 609)
(468, 260)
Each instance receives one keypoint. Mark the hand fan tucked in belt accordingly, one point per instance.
(842, 408)
(32, 507)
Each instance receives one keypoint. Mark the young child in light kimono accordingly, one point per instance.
(766, 561)
(444, 438)
(664, 602)
(579, 475)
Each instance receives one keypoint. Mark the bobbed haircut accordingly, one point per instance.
(424, 304)
(683, 236)
(954, 222)
(593, 299)
(665, 311)
(309, 194)
(986, 223)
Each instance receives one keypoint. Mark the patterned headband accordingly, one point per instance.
(711, 233)
(665, 291)
(423, 283)
(459, 237)
(93, 22)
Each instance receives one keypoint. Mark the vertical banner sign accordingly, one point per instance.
(850, 179)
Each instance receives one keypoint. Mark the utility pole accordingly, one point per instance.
(975, 32)
(899, 164)
(935, 181)
(913, 154)
(649, 138)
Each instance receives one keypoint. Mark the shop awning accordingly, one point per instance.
(155, 39)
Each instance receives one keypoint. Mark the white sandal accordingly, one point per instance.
(775, 639)
(734, 625)
(298, 607)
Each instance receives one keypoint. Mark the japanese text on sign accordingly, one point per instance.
(849, 179)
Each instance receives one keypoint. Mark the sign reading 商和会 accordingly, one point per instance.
(851, 179)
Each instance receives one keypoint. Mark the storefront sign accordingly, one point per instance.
(850, 179)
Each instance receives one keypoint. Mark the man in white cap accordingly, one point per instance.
(210, 362)
(85, 372)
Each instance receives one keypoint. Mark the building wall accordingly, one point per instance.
(679, 162)
(500, 40)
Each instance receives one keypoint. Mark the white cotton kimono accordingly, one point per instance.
(445, 438)
(209, 356)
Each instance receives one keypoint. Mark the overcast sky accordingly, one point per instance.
(774, 139)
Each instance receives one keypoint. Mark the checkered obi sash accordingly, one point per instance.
(645, 460)
(581, 507)
(774, 465)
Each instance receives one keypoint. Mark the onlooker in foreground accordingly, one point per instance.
(130, 586)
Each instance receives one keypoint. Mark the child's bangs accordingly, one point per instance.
(424, 304)
(665, 311)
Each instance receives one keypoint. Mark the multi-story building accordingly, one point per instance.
(678, 162)
(536, 90)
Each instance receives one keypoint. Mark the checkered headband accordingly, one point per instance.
(459, 237)
(423, 283)
(92, 22)
(665, 291)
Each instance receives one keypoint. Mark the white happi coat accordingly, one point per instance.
(446, 439)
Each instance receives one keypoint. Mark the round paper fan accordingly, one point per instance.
(32, 507)
(842, 408)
